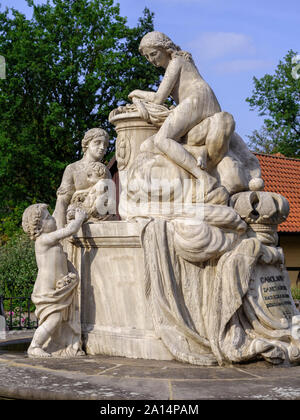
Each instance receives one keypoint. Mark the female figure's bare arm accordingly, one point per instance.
(64, 194)
(165, 88)
(168, 82)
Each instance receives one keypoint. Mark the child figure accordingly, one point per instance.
(94, 197)
(55, 285)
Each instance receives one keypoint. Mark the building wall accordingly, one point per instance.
(290, 243)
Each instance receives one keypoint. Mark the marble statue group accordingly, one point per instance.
(190, 270)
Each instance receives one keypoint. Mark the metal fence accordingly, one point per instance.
(18, 314)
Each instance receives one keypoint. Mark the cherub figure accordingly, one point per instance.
(56, 284)
(93, 198)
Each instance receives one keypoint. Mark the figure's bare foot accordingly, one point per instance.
(80, 353)
(261, 346)
(269, 351)
(37, 352)
(201, 162)
(294, 352)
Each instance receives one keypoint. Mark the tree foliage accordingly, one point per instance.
(66, 68)
(18, 269)
(277, 97)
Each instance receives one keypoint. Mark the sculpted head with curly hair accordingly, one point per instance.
(92, 134)
(156, 39)
(32, 220)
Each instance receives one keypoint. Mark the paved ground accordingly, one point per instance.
(116, 378)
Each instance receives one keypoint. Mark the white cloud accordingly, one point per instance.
(241, 65)
(227, 52)
(212, 45)
(184, 1)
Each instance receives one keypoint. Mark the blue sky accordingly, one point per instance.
(231, 41)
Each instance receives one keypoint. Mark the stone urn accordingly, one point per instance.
(132, 130)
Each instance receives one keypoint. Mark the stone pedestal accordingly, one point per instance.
(2, 328)
(146, 294)
(132, 131)
(115, 318)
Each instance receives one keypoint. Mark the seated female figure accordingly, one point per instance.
(196, 101)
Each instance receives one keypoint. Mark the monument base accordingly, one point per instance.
(2, 328)
(144, 293)
(115, 317)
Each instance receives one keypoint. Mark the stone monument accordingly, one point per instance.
(192, 271)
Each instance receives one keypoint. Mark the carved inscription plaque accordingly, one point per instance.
(271, 285)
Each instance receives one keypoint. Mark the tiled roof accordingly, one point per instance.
(282, 175)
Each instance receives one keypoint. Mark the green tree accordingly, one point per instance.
(66, 69)
(264, 140)
(278, 98)
(18, 269)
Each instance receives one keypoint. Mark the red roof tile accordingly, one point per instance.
(282, 175)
